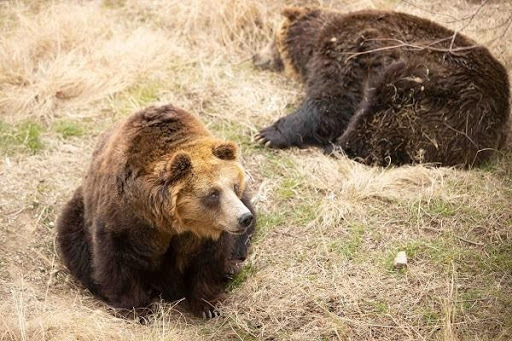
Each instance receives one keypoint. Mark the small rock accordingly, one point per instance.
(400, 260)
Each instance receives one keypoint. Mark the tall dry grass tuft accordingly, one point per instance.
(233, 27)
(347, 185)
(70, 55)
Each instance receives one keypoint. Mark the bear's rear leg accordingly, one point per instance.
(74, 241)
(121, 269)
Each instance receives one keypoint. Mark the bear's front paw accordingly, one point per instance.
(273, 137)
(206, 309)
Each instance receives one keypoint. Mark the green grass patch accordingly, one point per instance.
(304, 213)
(23, 137)
(497, 258)
(146, 93)
(349, 246)
(300, 214)
(29, 135)
(431, 317)
(233, 131)
(247, 271)
(469, 300)
(441, 208)
(381, 307)
(421, 211)
(489, 260)
(288, 188)
(136, 97)
(266, 223)
(278, 165)
(378, 307)
(69, 128)
(488, 166)
(271, 220)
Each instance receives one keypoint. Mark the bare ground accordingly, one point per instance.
(321, 264)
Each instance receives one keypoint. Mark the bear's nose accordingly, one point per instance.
(245, 220)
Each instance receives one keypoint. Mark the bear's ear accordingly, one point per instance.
(225, 150)
(179, 166)
(292, 13)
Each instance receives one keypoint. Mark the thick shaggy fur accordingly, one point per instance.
(388, 88)
(122, 235)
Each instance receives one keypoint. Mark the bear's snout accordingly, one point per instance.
(268, 58)
(245, 220)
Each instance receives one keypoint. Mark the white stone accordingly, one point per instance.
(400, 260)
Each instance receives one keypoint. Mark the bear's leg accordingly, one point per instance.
(204, 303)
(388, 128)
(420, 112)
(74, 241)
(207, 288)
(317, 122)
(119, 271)
(205, 278)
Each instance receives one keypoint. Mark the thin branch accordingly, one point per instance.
(471, 18)
(412, 46)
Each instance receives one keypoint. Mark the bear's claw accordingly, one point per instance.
(271, 137)
(206, 309)
(211, 313)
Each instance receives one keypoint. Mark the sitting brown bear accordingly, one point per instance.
(388, 88)
(163, 211)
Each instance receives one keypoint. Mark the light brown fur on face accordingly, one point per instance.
(208, 201)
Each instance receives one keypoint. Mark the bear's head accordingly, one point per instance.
(204, 185)
(285, 51)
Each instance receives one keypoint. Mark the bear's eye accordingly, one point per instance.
(212, 198)
(214, 194)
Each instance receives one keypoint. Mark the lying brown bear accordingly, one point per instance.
(163, 211)
(388, 88)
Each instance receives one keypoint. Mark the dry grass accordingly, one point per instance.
(321, 265)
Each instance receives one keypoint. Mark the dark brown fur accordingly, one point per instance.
(390, 88)
(118, 235)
